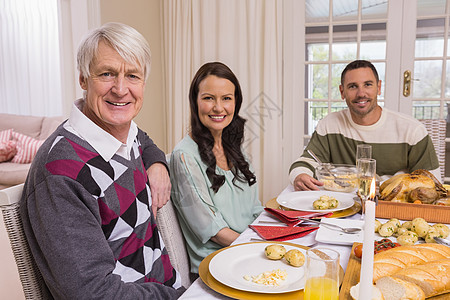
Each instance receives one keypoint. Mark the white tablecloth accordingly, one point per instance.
(199, 290)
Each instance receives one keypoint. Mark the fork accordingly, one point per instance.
(349, 230)
(442, 241)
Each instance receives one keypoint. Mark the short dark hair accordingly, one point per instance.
(357, 64)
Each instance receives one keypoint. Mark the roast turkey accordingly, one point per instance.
(419, 185)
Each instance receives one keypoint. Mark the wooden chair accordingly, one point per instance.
(29, 274)
(173, 238)
(437, 130)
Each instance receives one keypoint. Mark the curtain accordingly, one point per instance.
(30, 80)
(246, 35)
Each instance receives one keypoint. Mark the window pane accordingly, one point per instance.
(427, 7)
(426, 109)
(336, 71)
(381, 69)
(430, 38)
(344, 51)
(427, 79)
(317, 81)
(373, 41)
(337, 106)
(317, 10)
(345, 10)
(316, 112)
(317, 52)
(374, 9)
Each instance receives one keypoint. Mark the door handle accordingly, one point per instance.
(407, 83)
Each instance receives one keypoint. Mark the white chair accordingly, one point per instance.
(437, 129)
(29, 274)
(173, 238)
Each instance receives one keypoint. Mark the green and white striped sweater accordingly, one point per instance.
(399, 142)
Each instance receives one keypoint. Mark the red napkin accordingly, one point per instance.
(290, 216)
(281, 233)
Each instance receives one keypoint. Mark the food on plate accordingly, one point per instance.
(395, 288)
(325, 202)
(396, 222)
(271, 278)
(407, 239)
(393, 260)
(295, 258)
(420, 226)
(409, 232)
(387, 229)
(443, 230)
(275, 251)
(431, 234)
(376, 294)
(419, 185)
(401, 231)
(407, 225)
(377, 225)
(321, 204)
(379, 246)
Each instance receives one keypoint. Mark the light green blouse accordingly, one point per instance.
(201, 212)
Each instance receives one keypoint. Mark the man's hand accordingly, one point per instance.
(160, 186)
(304, 182)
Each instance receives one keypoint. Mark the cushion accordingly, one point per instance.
(26, 148)
(7, 150)
(29, 125)
(5, 135)
(12, 174)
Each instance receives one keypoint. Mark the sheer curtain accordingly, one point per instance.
(247, 36)
(30, 81)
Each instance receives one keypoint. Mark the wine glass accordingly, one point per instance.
(366, 169)
(363, 151)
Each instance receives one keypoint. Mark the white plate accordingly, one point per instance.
(231, 265)
(303, 200)
(332, 236)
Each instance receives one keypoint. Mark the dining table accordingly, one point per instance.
(200, 290)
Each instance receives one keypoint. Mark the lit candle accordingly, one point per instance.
(366, 278)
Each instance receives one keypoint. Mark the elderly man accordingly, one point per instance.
(399, 142)
(88, 206)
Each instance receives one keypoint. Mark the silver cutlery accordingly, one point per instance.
(336, 180)
(442, 241)
(350, 230)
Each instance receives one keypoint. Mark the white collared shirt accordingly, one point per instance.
(103, 142)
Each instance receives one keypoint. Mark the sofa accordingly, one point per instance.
(36, 128)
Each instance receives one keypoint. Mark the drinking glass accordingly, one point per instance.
(322, 274)
(363, 151)
(366, 170)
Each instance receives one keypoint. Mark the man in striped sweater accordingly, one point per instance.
(399, 142)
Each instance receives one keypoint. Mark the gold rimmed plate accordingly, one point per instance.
(226, 290)
(337, 214)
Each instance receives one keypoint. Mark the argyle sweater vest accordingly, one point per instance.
(120, 187)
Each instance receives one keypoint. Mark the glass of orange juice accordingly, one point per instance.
(322, 274)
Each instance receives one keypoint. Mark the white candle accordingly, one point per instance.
(366, 278)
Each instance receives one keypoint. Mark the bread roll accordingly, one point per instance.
(393, 260)
(396, 289)
(433, 277)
